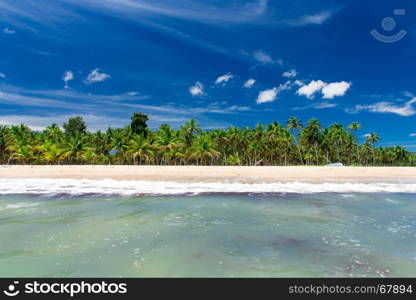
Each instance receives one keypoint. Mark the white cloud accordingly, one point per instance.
(197, 89)
(290, 74)
(23, 100)
(220, 108)
(271, 95)
(335, 89)
(323, 105)
(316, 19)
(409, 94)
(310, 89)
(96, 76)
(2, 76)
(299, 83)
(68, 76)
(267, 96)
(318, 105)
(329, 90)
(249, 83)
(224, 78)
(412, 134)
(264, 58)
(65, 99)
(9, 31)
(405, 110)
(239, 108)
(199, 11)
(284, 86)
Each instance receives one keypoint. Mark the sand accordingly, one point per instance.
(216, 173)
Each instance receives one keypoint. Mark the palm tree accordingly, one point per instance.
(74, 147)
(233, 160)
(372, 139)
(119, 142)
(276, 144)
(189, 131)
(311, 136)
(3, 142)
(294, 124)
(53, 133)
(400, 154)
(103, 144)
(203, 150)
(89, 156)
(338, 136)
(354, 127)
(140, 149)
(167, 139)
(287, 140)
(52, 154)
(23, 153)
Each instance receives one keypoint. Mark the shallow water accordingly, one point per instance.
(278, 235)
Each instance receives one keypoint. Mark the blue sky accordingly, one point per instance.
(223, 63)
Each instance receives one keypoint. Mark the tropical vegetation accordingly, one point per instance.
(291, 143)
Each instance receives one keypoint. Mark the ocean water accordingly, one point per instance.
(69, 228)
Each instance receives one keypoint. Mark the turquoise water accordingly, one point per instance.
(228, 235)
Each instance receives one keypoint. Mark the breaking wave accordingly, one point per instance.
(132, 188)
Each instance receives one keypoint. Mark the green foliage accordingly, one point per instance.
(74, 125)
(139, 124)
(273, 144)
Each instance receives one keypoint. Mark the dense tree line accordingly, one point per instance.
(291, 143)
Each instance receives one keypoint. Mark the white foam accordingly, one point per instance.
(18, 205)
(130, 188)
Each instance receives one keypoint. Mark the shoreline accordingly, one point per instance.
(307, 174)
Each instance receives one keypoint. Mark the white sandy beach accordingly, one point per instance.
(215, 173)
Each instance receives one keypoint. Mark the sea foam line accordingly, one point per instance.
(131, 188)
